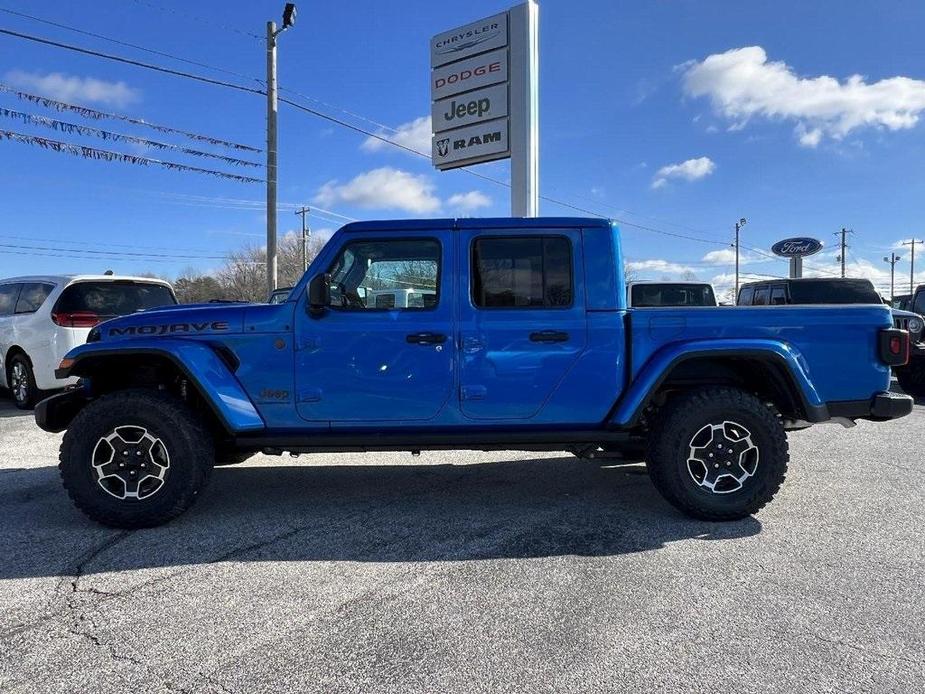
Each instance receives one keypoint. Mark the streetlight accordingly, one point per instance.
(289, 15)
(741, 223)
(892, 260)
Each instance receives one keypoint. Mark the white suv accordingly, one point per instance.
(43, 317)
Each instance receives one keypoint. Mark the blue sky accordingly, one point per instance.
(679, 116)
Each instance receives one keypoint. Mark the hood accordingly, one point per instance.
(175, 321)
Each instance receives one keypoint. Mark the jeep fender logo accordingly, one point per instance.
(170, 329)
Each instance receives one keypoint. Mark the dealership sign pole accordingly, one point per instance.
(484, 99)
(796, 249)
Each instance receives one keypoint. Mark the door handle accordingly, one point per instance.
(549, 336)
(425, 339)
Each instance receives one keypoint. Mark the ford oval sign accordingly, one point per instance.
(797, 247)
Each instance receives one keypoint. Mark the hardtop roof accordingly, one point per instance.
(479, 223)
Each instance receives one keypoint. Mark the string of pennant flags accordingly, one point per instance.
(87, 112)
(106, 155)
(71, 128)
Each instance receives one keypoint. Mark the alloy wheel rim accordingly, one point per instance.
(130, 463)
(722, 457)
(19, 382)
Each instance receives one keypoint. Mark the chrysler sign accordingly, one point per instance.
(472, 39)
(796, 247)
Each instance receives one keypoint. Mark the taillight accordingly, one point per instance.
(894, 347)
(75, 319)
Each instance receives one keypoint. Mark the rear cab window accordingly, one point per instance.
(101, 300)
(522, 272)
(654, 295)
(825, 291)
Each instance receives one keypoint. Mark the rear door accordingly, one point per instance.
(9, 293)
(522, 321)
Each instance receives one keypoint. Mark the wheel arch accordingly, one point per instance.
(195, 371)
(769, 369)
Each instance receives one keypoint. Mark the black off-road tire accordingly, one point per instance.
(692, 413)
(911, 378)
(185, 439)
(32, 394)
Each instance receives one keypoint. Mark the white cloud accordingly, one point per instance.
(469, 202)
(690, 170)
(658, 266)
(384, 188)
(61, 87)
(727, 256)
(742, 84)
(415, 135)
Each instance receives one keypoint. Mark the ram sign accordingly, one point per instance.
(470, 94)
(799, 247)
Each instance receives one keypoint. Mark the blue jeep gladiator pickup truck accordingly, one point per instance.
(485, 334)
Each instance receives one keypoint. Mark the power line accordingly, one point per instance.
(200, 20)
(129, 61)
(119, 42)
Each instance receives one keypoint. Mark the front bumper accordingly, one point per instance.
(881, 407)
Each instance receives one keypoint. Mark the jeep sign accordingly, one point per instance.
(470, 145)
(473, 107)
(798, 247)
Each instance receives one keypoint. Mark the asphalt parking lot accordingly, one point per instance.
(471, 572)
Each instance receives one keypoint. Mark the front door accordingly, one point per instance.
(383, 351)
(522, 319)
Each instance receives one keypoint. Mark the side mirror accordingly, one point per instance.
(319, 294)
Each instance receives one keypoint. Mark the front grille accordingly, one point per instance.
(901, 323)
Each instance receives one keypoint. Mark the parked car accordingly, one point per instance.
(42, 317)
(279, 295)
(658, 294)
(912, 376)
(526, 344)
(902, 301)
(828, 290)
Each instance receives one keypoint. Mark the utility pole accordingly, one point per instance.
(289, 14)
(844, 247)
(739, 224)
(912, 243)
(306, 235)
(892, 260)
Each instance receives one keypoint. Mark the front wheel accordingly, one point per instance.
(135, 459)
(718, 454)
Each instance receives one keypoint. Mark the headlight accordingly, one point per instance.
(916, 325)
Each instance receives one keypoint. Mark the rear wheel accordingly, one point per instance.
(135, 459)
(911, 378)
(22, 382)
(718, 453)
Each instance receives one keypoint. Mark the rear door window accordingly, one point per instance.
(778, 296)
(522, 272)
(761, 296)
(110, 299)
(746, 296)
(8, 295)
(32, 296)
